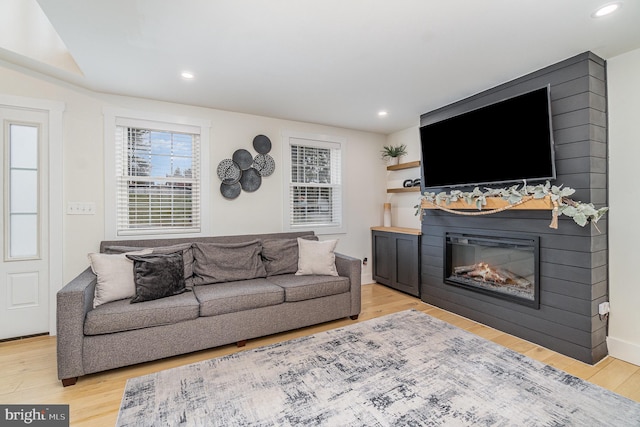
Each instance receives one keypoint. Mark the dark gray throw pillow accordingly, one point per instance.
(187, 255)
(227, 262)
(280, 256)
(157, 276)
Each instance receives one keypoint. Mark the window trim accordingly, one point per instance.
(164, 122)
(321, 141)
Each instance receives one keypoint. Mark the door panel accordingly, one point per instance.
(23, 289)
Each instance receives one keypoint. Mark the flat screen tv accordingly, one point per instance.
(504, 142)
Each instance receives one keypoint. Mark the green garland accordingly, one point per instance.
(581, 213)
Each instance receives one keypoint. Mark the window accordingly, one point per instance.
(22, 199)
(314, 193)
(158, 187)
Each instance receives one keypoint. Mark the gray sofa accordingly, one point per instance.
(120, 333)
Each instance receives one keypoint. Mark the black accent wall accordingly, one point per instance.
(573, 259)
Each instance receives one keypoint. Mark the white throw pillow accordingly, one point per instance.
(316, 257)
(115, 276)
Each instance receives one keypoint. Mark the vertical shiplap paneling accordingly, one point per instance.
(573, 260)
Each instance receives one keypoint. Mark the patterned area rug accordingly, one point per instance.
(404, 369)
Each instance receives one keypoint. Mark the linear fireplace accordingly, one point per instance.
(503, 265)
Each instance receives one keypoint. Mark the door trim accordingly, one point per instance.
(55, 110)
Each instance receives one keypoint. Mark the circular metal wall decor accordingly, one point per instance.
(250, 180)
(230, 191)
(228, 171)
(243, 159)
(243, 171)
(264, 164)
(262, 144)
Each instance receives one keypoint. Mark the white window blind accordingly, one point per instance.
(158, 181)
(315, 187)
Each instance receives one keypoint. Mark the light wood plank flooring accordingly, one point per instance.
(28, 366)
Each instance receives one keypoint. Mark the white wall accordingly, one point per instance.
(624, 223)
(260, 211)
(403, 204)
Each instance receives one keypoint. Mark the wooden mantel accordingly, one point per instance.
(495, 203)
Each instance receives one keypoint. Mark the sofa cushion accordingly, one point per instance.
(221, 298)
(316, 257)
(120, 315)
(227, 262)
(157, 276)
(280, 256)
(187, 255)
(114, 276)
(300, 288)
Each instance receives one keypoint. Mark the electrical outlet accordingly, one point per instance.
(604, 308)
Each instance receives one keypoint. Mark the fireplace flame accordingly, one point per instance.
(485, 273)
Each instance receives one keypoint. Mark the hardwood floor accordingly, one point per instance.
(28, 373)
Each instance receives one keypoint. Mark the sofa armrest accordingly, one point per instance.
(74, 301)
(350, 267)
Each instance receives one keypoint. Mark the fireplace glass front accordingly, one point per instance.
(503, 266)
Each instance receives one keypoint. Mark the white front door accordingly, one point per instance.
(24, 254)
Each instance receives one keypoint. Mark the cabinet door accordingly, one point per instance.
(383, 264)
(407, 264)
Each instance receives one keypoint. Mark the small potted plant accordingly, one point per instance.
(392, 153)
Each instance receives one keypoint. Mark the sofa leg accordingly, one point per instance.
(354, 317)
(241, 343)
(66, 382)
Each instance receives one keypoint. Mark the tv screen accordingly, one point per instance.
(505, 142)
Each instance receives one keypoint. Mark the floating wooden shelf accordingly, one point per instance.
(401, 230)
(401, 166)
(496, 203)
(404, 190)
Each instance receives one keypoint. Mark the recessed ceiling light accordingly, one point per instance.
(382, 113)
(187, 75)
(606, 9)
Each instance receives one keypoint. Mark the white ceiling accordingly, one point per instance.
(334, 62)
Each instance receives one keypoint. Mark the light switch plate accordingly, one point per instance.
(81, 208)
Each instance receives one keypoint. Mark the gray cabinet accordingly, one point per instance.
(396, 258)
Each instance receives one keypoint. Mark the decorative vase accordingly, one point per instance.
(393, 161)
(386, 218)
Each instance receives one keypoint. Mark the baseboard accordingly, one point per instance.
(366, 279)
(624, 350)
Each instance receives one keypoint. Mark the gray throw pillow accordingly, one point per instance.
(157, 276)
(280, 256)
(226, 262)
(122, 249)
